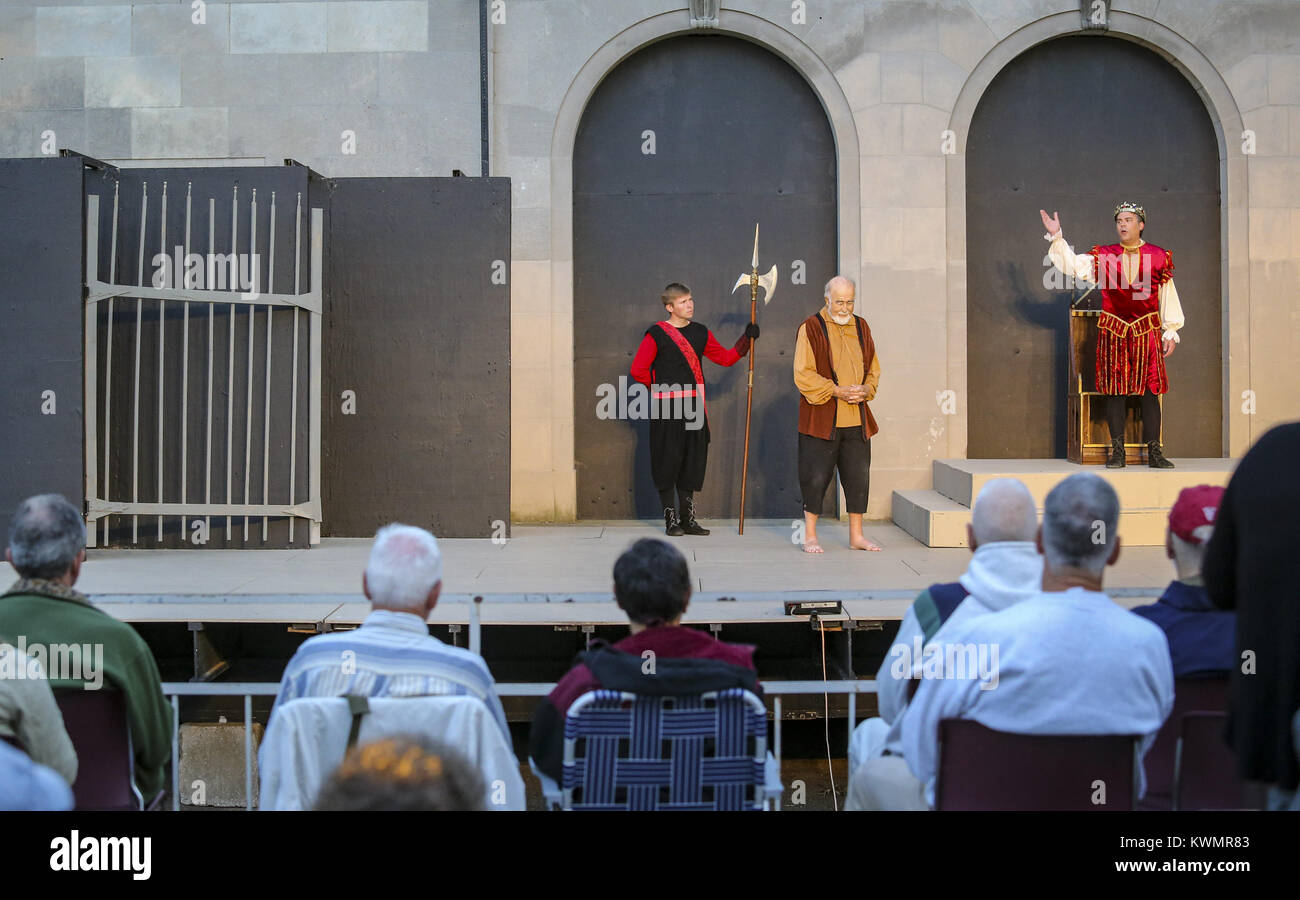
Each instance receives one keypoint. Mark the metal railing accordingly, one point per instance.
(776, 690)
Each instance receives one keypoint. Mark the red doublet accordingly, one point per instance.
(1130, 355)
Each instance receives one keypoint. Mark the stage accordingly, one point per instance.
(558, 574)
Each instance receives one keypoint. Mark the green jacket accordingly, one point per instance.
(46, 613)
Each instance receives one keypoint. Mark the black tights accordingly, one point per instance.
(1115, 414)
(666, 498)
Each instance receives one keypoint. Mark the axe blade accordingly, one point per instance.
(743, 279)
(768, 284)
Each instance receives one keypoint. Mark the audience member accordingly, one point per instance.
(653, 587)
(28, 785)
(1068, 661)
(1202, 639)
(1004, 569)
(392, 654)
(1247, 568)
(47, 540)
(403, 774)
(28, 714)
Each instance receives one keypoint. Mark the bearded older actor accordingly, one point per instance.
(837, 371)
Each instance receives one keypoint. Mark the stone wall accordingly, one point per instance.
(287, 79)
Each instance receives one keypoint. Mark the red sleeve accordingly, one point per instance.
(723, 356)
(644, 359)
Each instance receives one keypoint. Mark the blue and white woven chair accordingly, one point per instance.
(701, 752)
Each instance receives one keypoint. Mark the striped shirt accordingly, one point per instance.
(392, 654)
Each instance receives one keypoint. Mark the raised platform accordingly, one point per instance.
(558, 574)
(938, 517)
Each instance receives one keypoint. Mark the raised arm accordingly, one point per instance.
(1077, 265)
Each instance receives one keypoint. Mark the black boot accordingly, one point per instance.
(1116, 458)
(672, 526)
(1156, 458)
(689, 525)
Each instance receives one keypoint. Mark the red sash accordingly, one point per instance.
(692, 359)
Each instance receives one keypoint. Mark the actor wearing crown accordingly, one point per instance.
(1140, 318)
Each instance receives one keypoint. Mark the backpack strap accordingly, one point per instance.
(359, 707)
(935, 604)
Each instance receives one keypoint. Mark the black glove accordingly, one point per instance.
(751, 331)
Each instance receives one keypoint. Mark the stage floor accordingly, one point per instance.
(555, 573)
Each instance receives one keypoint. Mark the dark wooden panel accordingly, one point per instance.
(739, 137)
(416, 328)
(40, 341)
(1077, 125)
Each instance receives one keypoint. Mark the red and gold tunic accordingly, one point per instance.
(1130, 359)
(1139, 309)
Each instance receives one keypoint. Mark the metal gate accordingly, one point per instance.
(170, 473)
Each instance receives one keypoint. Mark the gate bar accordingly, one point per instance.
(108, 349)
(230, 369)
(139, 316)
(162, 332)
(252, 321)
(266, 426)
(293, 415)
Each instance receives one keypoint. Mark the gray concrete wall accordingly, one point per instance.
(276, 79)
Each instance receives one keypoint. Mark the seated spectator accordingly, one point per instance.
(28, 714)
(653, 587)
(47, 540)
(1247, 568)
(392, 654)
(1005, 568)
(403, 774)
(1202, 639)
(1067, 661)
(28, 785)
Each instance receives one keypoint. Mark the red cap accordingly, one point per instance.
(1195, 506)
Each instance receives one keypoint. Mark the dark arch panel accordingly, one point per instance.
(739, 137)
(1076, 125)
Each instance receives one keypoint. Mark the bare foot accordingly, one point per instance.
(811, 546)
(863, 544)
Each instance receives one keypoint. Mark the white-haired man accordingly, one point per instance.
(392, 654)
(835, 360)
(1069, 660)
(1004, 569)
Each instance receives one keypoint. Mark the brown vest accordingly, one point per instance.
(819, 421)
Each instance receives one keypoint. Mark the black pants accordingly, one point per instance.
(678, 455)
(848, 451)
(1115, 415)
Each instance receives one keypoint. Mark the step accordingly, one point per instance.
(939, 521)
(1139, 487)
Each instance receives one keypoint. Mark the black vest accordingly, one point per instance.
(670, 367)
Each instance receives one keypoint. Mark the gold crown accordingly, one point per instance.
(1133, 208)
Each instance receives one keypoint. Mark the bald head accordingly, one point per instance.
(1004, 511)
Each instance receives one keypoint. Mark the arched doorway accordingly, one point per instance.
(1077, 124)
(738, 137)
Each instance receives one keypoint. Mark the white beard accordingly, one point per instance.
(842, 320)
